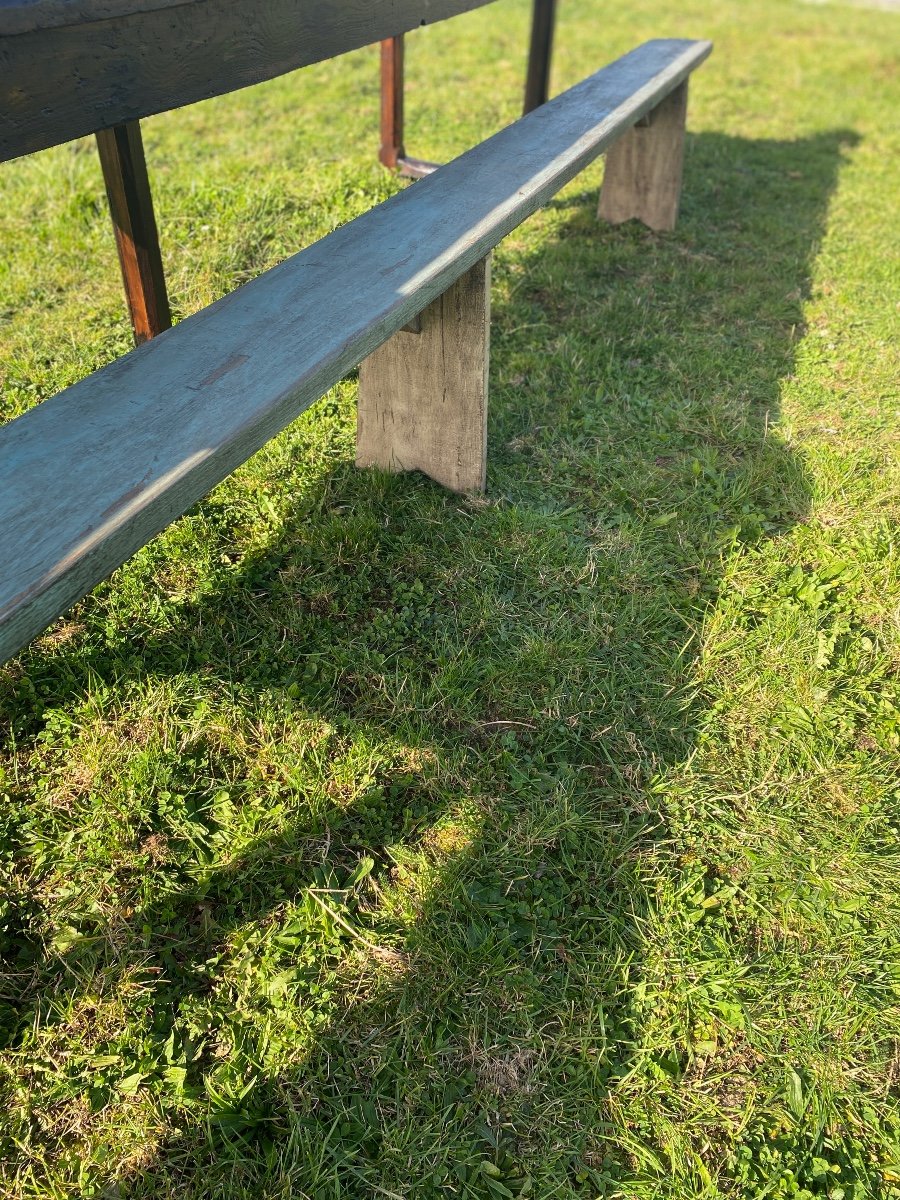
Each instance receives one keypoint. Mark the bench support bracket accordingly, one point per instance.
(423, 395)
(642, 177)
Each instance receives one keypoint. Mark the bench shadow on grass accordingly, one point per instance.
(566, 600)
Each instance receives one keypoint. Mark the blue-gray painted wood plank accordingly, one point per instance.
(90, 475)
(72, 67)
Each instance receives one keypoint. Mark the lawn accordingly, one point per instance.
(363, 840)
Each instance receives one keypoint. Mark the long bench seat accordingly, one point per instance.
(91, 474)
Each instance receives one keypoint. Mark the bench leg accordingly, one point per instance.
(121, 151)
(642, 177)
(537, 77)
(392, 153)
(423, 395)
(392, 102)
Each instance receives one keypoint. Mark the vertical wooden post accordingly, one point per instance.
(423, 396)
(537, 79)
(642, 176)
(131, 207)
(392, 101)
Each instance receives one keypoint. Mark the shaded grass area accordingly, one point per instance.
(365, 840)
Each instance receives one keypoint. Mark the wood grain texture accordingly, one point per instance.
(25, 16)
(92, 474)
(121, 152)
(642, 176)
(101, 73)
(423, 396)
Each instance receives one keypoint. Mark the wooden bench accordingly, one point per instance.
(90, 475)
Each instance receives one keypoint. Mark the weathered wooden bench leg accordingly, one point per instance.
(423, 395)
(131, 207)
(642, 177)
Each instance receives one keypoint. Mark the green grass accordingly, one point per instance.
(362, 840)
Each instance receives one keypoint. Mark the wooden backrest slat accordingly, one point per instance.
(71, 67)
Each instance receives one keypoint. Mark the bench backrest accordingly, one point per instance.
(72, 67)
